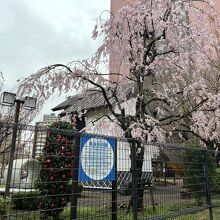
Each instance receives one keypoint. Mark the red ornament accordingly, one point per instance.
(63, 203)
(51, 178)
(68, 153)
(59, 138)
(63, 176)
(48, 160)
(61, 186)
(52, 205)
(51, 169)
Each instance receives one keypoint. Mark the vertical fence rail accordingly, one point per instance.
(134, 180)
(34, 143)
(114, 187)
(207, 185)
(74, 170)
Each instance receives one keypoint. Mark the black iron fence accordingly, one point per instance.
(59, 174)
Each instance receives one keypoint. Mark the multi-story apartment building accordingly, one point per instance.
(40, 132)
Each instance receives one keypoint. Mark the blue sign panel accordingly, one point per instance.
(96, 158)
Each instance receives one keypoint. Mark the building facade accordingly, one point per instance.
(40, 132)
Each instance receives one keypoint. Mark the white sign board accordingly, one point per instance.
(97, 156)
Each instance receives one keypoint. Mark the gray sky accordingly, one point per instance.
(36, 33)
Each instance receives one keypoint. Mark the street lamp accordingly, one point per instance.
(29, 103)
(8, 98)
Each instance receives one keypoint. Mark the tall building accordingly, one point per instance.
(40, 132)
(117, 4)
(48, 119)
(116, 65)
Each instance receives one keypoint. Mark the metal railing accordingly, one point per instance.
(59, 174)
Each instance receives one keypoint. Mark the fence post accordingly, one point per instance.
(207, 185)
(35, 141)
(74, 171)
(12, 149)
(134, 180)
(114, 187)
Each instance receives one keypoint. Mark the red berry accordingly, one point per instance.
(63, 176)
(63, 203)
(51, 178)
(59, 137)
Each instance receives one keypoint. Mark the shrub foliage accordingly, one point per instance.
(55, 175)
(4, 207)
(26, 200)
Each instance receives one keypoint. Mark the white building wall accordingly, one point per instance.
(104, 126)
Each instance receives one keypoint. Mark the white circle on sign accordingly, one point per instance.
(97, 158)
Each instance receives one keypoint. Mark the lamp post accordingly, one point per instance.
(29, 103)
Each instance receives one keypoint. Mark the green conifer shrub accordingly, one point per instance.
(54, 182)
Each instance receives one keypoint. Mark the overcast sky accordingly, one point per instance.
(36, 33)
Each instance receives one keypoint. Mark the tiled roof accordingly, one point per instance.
(92, 99)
